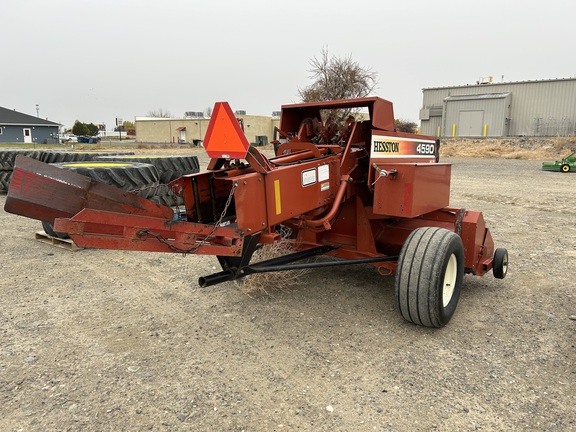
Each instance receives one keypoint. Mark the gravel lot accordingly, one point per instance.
(99, 340)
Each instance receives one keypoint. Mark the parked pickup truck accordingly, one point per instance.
(65, 138)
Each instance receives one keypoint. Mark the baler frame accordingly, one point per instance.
(358, 191)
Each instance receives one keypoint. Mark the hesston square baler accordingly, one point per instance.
(356, 192)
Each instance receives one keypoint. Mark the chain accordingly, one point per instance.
(145, 188)
(197, 246)
(157, 189)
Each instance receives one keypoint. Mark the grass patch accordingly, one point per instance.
(527, 148)
(31, 146)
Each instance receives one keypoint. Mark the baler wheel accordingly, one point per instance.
(565, 168)
(500, 263)
(429, 276)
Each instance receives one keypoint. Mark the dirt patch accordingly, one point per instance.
(110, 340)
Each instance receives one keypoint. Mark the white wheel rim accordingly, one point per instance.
(449, 280)
(505, 264)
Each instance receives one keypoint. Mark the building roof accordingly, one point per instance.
(13, 117)
(488, 85)
(479, 96)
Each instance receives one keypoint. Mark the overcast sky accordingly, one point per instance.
(98, 60)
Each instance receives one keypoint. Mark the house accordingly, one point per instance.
(17, 127)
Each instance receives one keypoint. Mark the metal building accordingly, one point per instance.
(488, 109)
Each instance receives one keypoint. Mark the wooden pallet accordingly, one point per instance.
(68, 244)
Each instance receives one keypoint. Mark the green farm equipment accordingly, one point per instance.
(564, 165)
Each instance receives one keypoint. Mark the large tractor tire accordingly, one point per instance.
(61, 156)
(139, 178)
(5, 176)
(8, 156)
(170, 167)
(429, 276)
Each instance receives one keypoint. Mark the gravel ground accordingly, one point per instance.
(99, 340)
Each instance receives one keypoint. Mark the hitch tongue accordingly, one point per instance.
(216, 278)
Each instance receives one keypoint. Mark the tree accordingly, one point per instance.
(159, 113)
(337, 78)
(129, 126)
(79, 128)
(402, 125)
(92, 129)
(208, 112)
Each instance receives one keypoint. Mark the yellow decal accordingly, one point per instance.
(97, 164)
(277, 196)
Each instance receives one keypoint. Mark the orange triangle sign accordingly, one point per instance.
(224, 137)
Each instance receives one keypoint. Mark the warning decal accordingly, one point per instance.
(309, 177)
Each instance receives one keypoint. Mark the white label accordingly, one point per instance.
(309, 177)
(324, 186)
(323, 173)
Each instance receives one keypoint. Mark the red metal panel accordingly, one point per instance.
(250, 200)
(298, 189)
(478, 243)
(109, 230)
(414, 189)
(380, 110)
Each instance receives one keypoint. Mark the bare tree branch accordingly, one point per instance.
(337, 78)
(159, 113)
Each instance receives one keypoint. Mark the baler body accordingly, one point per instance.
(355, 190)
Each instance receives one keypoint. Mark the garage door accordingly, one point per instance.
(470, 123)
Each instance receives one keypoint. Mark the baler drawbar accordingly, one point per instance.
(353, 189)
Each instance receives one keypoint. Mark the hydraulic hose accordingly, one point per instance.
(324, 221)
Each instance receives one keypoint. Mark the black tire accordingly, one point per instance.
(139, 178)
(170, 167)
(8, 156)
(500, 263)
(165, 196)
(59, 156)
(5, 176)
(429, 276)
(49, 229)
(565, 168)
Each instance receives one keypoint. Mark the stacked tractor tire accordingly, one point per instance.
(144, 175)
(7, 158)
